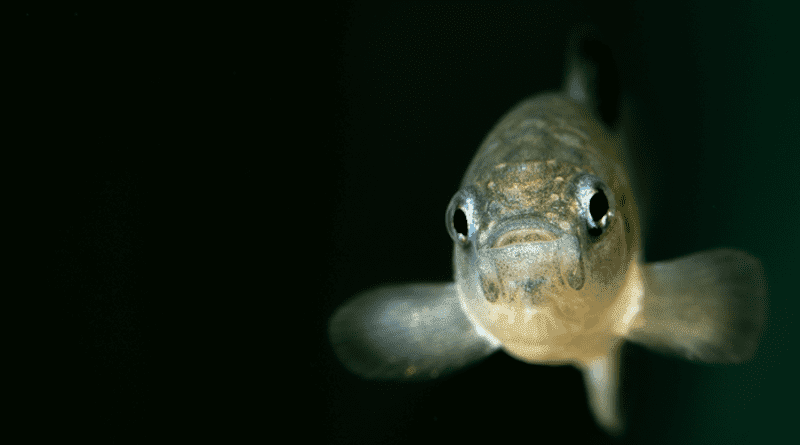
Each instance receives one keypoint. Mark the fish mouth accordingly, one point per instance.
(522, 231)
(526, 259)
(521, 236)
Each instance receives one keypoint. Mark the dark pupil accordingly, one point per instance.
(598, 205)
(460, 222)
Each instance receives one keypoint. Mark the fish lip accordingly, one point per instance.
(523, 236)
(521, 224)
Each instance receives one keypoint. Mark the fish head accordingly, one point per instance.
(540, 256)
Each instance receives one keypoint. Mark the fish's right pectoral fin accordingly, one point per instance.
(709, 306)
(407, 332)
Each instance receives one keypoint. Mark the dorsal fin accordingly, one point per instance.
(592, 76)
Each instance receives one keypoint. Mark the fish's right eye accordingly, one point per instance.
(460, 219)
(460, 223)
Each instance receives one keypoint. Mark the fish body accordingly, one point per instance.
(548, 267)
(547, 278)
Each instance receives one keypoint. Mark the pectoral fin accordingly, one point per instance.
(708, 306)
(409, 332)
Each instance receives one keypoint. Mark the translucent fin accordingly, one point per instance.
(709, 306)
(592, 78)
(581, 73)
(409, 332)
(601, 377)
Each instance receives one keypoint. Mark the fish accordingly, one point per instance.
(548, 265)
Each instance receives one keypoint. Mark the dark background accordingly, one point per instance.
(198, 191)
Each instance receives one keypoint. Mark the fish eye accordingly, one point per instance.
(460, 223)
(598, 208)
(460, 219)
(598, 205)
(595, 204)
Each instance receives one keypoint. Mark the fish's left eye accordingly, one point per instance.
(595, 205)
(598, 205)
(598, 209)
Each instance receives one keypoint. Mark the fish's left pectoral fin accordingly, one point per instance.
(601, 377)
(709, 306)
(407, 332)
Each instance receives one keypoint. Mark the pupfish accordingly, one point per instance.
(548, 267)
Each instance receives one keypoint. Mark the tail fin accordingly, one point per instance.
(709, 306)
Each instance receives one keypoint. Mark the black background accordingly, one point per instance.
(199, 190)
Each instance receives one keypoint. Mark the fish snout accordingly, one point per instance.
(529, 265)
